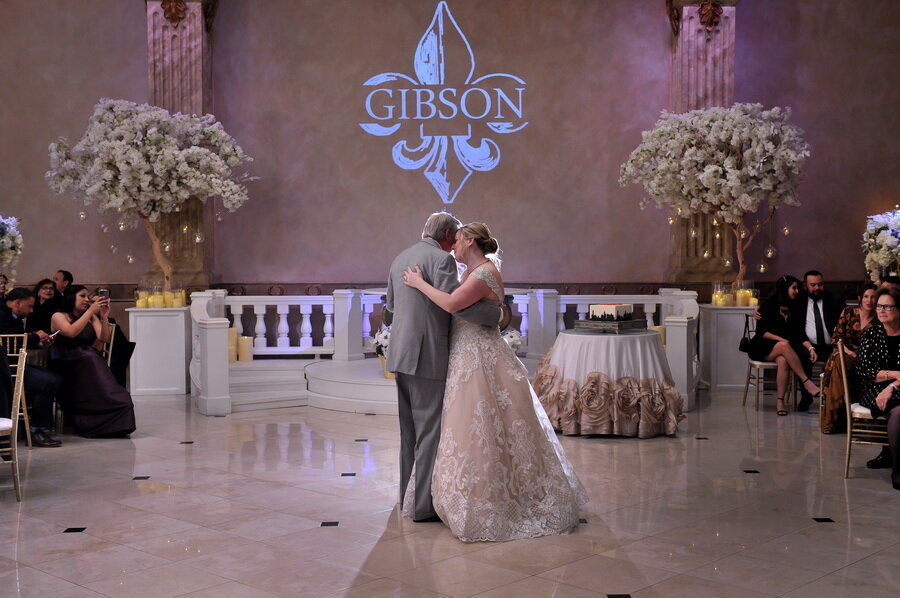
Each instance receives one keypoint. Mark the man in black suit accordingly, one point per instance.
(40, 385)
(817, 312)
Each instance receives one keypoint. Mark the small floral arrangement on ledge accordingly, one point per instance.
(382, 341)
(513, 338)
(881, 243)
(10, 242)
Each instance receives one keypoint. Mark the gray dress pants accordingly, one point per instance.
(420, 402)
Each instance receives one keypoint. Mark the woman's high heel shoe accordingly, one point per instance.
(781, 412)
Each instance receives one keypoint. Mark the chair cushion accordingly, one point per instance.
(763, 364)
(5, 425)
(857, 410)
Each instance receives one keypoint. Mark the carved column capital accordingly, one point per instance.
(709, 12)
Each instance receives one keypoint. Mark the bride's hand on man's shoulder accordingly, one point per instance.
(412, 277)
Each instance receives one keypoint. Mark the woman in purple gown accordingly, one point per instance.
(96, 404)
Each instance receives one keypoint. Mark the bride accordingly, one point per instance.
(500, 472)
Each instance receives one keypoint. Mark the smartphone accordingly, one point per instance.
(103, 293)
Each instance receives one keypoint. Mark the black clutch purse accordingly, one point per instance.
(744, 346)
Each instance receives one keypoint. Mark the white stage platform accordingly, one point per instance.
(357, 386)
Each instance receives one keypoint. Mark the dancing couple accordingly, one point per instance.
(477, 449)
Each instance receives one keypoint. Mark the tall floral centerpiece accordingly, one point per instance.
(10, 243)
(881, 244)
(142, 162)
(727, 162)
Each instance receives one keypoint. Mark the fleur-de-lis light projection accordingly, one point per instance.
(439, 108)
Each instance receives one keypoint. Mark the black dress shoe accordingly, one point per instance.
(432, 519)
(42, 439)
(882, 461)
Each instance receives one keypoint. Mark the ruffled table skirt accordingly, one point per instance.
(624, 406)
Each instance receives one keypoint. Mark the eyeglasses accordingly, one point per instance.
(885, 307)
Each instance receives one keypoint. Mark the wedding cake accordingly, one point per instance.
(611, 312)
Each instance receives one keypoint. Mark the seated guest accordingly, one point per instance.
(46, 302)
(4, 282)
(41, 386)
(777, 339)
(91, 398)
(63, 279)
(817, 315)
(878, 370)
(849, 329)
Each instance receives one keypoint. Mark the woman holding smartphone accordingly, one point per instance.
(96, 404)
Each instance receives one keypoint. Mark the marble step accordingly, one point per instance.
(274, 381)
(268, 400)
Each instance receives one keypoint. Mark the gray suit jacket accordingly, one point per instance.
(420, 331)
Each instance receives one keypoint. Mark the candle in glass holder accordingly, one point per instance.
(168, 297)
(141, 303)
(177, 301)
(156, 301)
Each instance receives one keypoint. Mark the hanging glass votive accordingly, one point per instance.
(129, 258)
(198, 237)
(104, 228)
(694, 233)
(770, 252)
(786, 230)
(707, 253)
(121, 225)
(166, 246)
(726, 261)
(670, 220)
(82, 216)
(715, 222)
(744, 233)
(718, 235)
(220, 216)
(113, 248)
(762, 267)
(185, 229)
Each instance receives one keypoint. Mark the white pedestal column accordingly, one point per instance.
(722, 366)
(159, 365)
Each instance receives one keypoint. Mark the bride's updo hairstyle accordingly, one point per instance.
(482, 236)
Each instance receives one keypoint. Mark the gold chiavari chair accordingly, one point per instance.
(14, 343)
(862, 428)
(9, 427)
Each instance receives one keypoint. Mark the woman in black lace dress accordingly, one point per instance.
(90, 396)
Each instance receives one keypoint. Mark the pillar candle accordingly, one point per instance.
(662, 333)
(141, 303)
(156, 301)
(177, 301)
(232, 336)
(168, 298)
(245, 348)
(232, 353)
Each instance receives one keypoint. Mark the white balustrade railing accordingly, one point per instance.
(341, 325)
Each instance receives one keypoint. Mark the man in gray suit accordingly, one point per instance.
(420, 350)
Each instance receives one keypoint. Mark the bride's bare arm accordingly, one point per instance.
(470, 291)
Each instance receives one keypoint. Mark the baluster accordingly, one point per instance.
(649, 310)
(237, 313)
(328, 330)
(283, 328)
(582, 309)
(260, 340)
(522, 306)
(366, 319)
(305, 326)
(561, 318)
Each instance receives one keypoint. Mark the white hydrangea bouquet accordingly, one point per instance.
(382, 342)
(881, 243)
(10, 243)
(142, 161)
(727, 162)
(513, 338)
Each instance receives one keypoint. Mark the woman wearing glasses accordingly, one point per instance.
(46, 302)
(878, 368)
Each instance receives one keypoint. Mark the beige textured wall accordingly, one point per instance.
(332, 207)
(57, 58)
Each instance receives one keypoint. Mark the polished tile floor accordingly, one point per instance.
(300, 502)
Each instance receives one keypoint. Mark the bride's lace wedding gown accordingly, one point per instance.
(500, 472)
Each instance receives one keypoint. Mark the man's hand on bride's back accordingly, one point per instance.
(412, 277)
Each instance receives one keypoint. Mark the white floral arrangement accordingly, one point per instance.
(382, 341)
(727, 162)
(513, 338)
(142, 161)
(881, 242)
(10, 242)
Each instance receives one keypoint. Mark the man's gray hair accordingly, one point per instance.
(438, 224)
